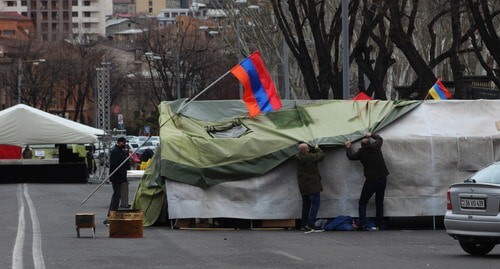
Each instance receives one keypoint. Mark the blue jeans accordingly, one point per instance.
(310, 207)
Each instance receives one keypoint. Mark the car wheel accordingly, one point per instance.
(476, 248)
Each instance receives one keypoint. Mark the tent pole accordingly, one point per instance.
(127, 159)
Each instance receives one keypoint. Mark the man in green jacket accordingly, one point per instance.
(309, 181)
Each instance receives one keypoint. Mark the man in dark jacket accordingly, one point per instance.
(309, 181)
(117, 162)
(375, 171)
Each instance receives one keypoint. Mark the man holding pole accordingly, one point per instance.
(117, 161)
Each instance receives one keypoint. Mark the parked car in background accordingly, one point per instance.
(155, 140)
(473, 206)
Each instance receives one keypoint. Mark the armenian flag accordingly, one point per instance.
(439, 92)
(259, 92)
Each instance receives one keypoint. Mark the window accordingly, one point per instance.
(11, 3)
(75, 25)
(86, 3)
(87, 25)
(74, 3)
(55, 16)
(233, 129)
(24, 3)
(9, 33)
(74, 14)
(86, 14)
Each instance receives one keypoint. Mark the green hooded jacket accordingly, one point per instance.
(308, 175)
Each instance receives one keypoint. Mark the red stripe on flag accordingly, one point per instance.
(248, 97)
(266, 80)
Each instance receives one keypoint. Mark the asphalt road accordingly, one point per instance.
(38, 231)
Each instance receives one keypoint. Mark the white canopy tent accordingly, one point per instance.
(22, 124)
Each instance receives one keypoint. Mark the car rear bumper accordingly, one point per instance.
(472, 226)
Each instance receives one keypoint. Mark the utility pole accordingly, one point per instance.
(103, 100)
(345, 50)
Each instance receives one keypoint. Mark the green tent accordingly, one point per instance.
(209, 142)
(205, 143)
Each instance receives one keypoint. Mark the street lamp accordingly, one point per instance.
(238, 33)
(20, 74)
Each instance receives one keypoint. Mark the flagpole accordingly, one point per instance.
(200, 93)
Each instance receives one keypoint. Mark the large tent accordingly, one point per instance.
(250, 173)
(22, 124)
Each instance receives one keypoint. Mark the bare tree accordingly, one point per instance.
(181, 60)
(485, 17)
(320, 70)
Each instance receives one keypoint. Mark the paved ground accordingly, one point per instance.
(38, 231)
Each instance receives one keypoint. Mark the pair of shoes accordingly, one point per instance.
(106, 222)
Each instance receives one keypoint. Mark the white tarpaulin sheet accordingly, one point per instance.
(22, 124)
(436, 144)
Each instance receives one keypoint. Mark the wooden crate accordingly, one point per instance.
(85, 220)
(125, 224)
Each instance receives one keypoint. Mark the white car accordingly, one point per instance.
(155, 140)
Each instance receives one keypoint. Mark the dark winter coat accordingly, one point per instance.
(372, 159)
(308, 175)
(117, 156)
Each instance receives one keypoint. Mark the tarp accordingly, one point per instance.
(22, 124)
(432, 146)
(192, 155)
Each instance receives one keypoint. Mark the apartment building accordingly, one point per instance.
(63, 19)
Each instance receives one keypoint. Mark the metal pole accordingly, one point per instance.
(345, 49)
(140, 146)
(240, 57)
(19, 80)
(177, 77)
(286, 70)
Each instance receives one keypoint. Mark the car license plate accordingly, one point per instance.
(466, 203)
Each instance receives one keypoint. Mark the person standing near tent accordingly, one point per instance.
(117, 162)
(309, 180)
(375, 171)
(27, 153)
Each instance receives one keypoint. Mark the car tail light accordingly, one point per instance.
(448, 200)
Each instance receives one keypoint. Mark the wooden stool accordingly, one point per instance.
(85, 220)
